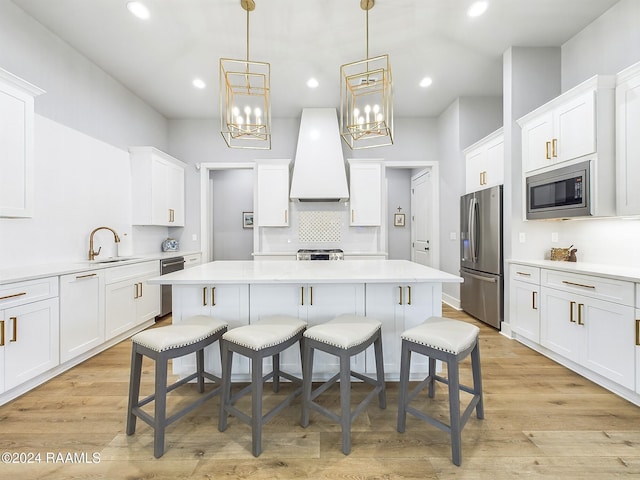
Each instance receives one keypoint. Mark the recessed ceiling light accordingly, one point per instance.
(199, 83)
(477, 8)
(426, 82)
(312, 83)
(138, 9)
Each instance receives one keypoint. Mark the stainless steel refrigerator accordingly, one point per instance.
(481, 260)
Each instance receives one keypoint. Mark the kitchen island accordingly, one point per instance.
(399, 293)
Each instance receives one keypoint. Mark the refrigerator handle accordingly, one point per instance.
(473, 220)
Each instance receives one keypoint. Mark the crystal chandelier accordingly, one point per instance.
(366, 99)
(245, 99)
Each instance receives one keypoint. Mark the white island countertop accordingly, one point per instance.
(285, 271)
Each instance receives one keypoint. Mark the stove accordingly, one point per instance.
(320, 254)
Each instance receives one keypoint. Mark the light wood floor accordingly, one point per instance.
(541, 421)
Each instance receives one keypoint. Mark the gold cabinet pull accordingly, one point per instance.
(524, 274)
(2, 332)
(578, 284)
(353, 215)
(637, 332)
(310, 295)
(171, 215)
(554, 147)
(533, 300)
(400, 302)
(546, 150)
(571, 305)
(79, 277)
(301, 295)
(13, 295)
(204, 296)
(580, 308)
(409, 295)
(213, 296)
(14, 336)
(135, 293)
(141, 291)
(286, 216)
(480, 178)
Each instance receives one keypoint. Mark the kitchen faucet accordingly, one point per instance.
(92, 254)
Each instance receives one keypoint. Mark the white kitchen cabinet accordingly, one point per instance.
(129, 300)
(271, 204)
(524, 302)
(400, 307)
(637, 338)
(593, 333)
(628, 141)
(577, 123)
(29, 330)
(82, 319)
(315, 304)
(365, 192)
(229, 303)
(158, 188)
(16, 138)
(485, 162)
(192, 260)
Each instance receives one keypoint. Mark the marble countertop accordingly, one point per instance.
(619, 272)
(284, 271)
(32, 272)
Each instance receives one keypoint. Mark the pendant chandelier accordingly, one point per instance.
(245, 99)
(366, 98)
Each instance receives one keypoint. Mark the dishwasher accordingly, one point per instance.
(168, 265)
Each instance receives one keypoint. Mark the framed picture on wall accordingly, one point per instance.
(247, 219)
(398, 219)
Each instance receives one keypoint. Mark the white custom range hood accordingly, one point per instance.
(318, 171)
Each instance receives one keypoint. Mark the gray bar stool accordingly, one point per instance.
(344, 336)
(266, 338)
(161, 344)
(450, 341)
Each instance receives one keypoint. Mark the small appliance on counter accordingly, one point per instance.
(564, 254)
(170, 245)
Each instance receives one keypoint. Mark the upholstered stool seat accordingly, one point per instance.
(450, 341)
(344, 336)
(161, 344)
(267, 338)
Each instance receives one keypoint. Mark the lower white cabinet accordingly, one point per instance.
(524, 303)
(399, 307)
(29, 326)
(229, 303)
(129, 300)
(315, 304)
(82, 319)
(637, 338)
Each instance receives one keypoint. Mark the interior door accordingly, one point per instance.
(421, 218)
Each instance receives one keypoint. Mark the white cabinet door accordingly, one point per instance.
(175, 195)
(31, 341)
(575, 128)
(476, 162)
(229, 303)
(494, 172)
(82, 320)
(525, 310)
(485, 162)
(120, 307)
(628, 143)
(365, 193)
(272, 196)
(148, 300)
(637, 338)
(537, 135)
(558, 320)
(16, 141)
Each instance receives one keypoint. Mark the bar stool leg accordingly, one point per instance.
(382, 395)
(276, 373)
(432, 377)
(256, 405)
(225, 394)
(160, 405)
(200, 369)
(345, 402)
(477, 379)
(454, 410)
(405, 364)
(134, 389)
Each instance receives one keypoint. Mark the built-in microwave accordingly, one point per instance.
(560, 193)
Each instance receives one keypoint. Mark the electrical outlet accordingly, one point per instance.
(554, 237)
(522, 237)
(194, 237)
(453, 236)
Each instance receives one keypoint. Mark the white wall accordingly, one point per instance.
(399, 195)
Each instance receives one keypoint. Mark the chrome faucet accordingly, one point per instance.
(92, 254)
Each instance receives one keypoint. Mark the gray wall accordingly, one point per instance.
(399, 195)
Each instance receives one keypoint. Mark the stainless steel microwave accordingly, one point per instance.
(561, 193)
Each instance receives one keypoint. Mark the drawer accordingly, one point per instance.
(638, 296)
(524, 273)
(127, 272)
(607, 289)
(20, 293)
(192, 260)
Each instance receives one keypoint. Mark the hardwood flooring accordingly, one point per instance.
(541, 421)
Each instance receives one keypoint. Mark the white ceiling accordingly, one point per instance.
(158, 58)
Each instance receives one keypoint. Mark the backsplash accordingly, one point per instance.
(319, 226)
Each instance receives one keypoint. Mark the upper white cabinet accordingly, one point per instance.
(577, 123)
(485, 162)
(365, 199)
(16, 145)
(271, 205)
(158, 188)
(628, 141)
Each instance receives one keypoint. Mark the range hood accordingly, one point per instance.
(318, 170)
